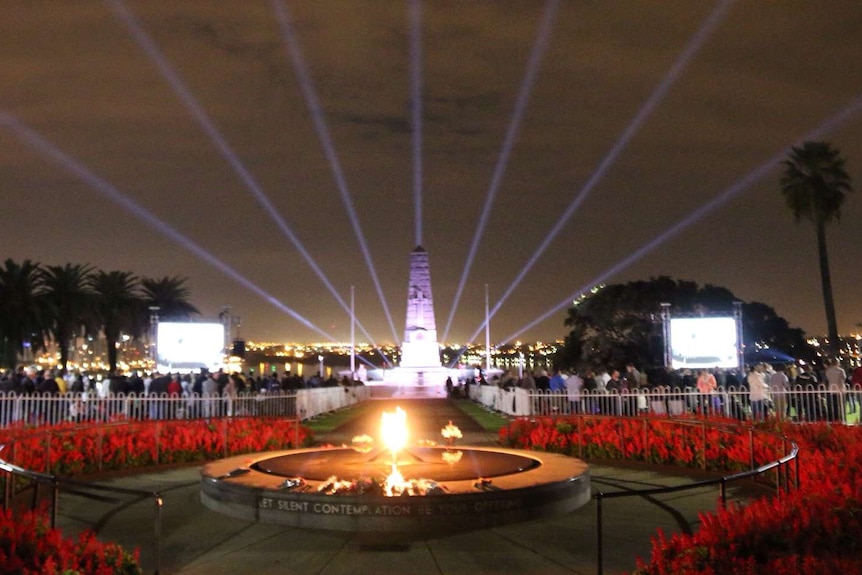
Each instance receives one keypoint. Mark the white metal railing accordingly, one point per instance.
(46, 409)
(809, 403)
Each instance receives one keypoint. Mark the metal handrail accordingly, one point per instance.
(599, 496)
(57, 483)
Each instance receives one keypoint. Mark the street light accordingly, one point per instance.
(520, 365)
(154, 332)
(320, 359)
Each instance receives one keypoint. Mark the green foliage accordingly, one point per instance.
(815, 182)
(21, 307)
(170, 295)
(54, 303)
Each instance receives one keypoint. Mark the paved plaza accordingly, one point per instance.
(196, 540)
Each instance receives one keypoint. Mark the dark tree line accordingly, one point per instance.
(621, 323)
(57, 303)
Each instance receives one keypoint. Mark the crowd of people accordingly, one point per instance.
(54, 396)
(795, 390)
(29, 380)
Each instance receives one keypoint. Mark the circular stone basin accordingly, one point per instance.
(413, 463)
(475, 488)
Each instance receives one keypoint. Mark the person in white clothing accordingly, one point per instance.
(758, 392)
(574, 383)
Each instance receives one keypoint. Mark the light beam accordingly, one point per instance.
(208, 126)
(845, 114)
(542, 38)
(415, 17)
(294, 50)
(656, 97)
(57, 156)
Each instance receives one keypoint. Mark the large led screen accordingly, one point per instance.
(189, 346)
(703, 342)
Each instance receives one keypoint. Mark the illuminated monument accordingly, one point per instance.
(420, 349)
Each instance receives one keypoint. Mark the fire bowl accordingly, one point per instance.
(463, 489)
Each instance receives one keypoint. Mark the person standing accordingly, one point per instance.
(632, 377)
(706, 386)
(574, 383)
(836, 379)
(209, 396)
(614, 387)
(758, 392)
(557, 382)
(778, 386)
(803, 399)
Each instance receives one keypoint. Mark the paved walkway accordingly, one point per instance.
(196, 540)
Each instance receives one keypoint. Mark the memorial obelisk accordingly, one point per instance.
(420, 348)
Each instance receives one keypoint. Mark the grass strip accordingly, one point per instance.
(488, 420)
(331, 421)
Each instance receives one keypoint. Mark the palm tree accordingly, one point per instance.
(170, 296)
(20, 307)
(69, 300)
(117, 307)
(814, 185)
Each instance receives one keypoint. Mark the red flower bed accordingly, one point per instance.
(28, 545)
(813, 530)
(67, 450)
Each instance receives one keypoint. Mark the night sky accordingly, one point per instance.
(91, 126)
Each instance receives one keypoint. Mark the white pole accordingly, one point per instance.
(352, 335)
(487, 334)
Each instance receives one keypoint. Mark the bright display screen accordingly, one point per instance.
(189, 346)
(703, 342)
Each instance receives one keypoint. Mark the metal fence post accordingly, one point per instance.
(751, 445)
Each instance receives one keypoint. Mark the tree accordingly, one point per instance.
(621, 323)
(170, 295)
(118, 307)
(21, 307)
(814, 185)
(69, 303)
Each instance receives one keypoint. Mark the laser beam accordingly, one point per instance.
(845, 114)
(294, 51)
(60, 158)
(208, 126)
(539, 47)
(656, 97)
(415, 19)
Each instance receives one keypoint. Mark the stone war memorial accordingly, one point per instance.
(420, 351)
